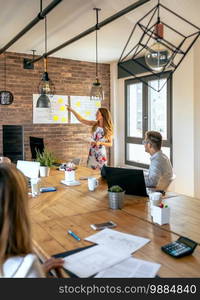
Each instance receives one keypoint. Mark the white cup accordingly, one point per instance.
(155, 198)
(35, 187)
(92, 183)
(70, 176)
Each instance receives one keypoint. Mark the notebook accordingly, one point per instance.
(131, 180)
(29, 168)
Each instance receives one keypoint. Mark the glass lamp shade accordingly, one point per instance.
(43, 101)
(46, 86)
(157, 57)
(96, 92)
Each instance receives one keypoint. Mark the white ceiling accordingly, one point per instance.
(71, 17)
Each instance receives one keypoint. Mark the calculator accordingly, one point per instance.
(182, 247)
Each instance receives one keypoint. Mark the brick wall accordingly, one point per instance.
(70, 77)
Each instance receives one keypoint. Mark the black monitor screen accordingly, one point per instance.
(36, 144)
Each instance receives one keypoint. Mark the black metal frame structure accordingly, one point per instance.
(92, 29)
(179, 48)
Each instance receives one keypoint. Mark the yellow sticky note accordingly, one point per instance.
(60, 100)
(98, 104)
(87, 113)
(64, 119)
(62, 108)
(78, 103)
(55, 118)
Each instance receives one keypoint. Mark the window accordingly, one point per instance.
(146, 109)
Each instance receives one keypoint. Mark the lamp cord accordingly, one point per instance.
(5, 71)
(96, 55)
(97, 28)
(45, 45)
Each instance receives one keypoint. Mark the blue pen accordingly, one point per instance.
(74, 235)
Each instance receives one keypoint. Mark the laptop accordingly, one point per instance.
(131, 180)
(29, 168)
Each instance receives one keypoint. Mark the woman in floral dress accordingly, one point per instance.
(102, 132)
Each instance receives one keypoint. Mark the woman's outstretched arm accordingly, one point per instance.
(79, 117)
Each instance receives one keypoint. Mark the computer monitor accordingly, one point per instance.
(29, 168)
(36, 144)
(131, 180)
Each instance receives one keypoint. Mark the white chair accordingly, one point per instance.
(76, 161)
(172, 179)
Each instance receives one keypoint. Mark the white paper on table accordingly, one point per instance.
(118, 240)
(93, 260)
(129, 268)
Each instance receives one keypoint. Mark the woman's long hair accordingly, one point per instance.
(15, 233)
(107, 123)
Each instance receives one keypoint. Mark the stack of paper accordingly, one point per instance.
(111, 257)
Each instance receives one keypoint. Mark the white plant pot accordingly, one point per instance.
(44, 171)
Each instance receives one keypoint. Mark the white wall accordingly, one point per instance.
(185, 127)
(197, 119)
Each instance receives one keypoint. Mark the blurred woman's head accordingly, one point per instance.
(104, 113)
(15, 235)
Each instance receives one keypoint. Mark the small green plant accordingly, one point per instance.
(115, 189)
(46, 158)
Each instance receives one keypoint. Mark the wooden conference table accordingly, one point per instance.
(75, 208)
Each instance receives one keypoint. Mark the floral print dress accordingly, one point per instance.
(97, 154)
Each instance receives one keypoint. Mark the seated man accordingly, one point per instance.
(160, 170)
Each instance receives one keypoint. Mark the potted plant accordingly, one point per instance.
(46, 160)
(116, 197)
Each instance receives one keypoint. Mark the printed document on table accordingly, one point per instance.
(129, 268)
(93, 260)
(118, 240)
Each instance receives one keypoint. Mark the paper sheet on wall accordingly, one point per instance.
(57, 114)
(85, 107)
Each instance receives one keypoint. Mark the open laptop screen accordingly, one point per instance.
(131, 180)
(29, 168)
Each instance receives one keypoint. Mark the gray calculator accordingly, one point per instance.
(182, 247)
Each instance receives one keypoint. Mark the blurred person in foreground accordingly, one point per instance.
(17, 258)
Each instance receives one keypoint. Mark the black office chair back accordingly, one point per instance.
(36, 144)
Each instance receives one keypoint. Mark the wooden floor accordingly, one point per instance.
(75, 207)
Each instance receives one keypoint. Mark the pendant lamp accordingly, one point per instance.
(46, 86)
(154, 51)
(158, 56)
(96, 92)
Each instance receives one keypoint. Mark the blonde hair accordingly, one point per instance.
(15, 233)
(107, 122)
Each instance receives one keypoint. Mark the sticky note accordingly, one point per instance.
(98, 104)
(63, 119)
(60, 100)
(87, 113)
(55, 118)
(78, 103)
(62, 108)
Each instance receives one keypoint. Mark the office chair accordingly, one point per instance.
(172, 179)
(36, 144)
